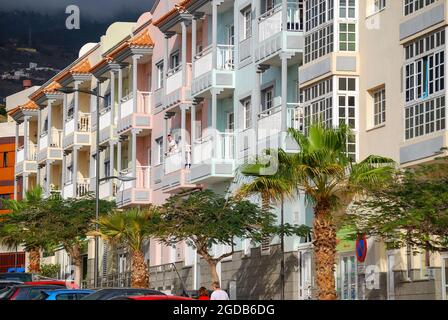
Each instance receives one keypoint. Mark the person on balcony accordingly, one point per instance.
(172, 145)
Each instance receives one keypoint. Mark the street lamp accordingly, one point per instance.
(68, 90)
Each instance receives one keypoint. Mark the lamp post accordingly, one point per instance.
(96, 93)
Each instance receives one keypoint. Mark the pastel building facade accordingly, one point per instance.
(226, 79)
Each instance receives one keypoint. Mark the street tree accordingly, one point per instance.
(204, 219)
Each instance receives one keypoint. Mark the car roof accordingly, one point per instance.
(158, 297)
(36, 286)
(69, 291)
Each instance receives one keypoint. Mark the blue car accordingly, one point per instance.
(64, 294)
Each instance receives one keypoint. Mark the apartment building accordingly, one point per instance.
(195, 88)
(378, 66)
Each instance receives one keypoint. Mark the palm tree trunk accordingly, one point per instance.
(139, 270)
(34, 254)
(265, 202)
(324, 252)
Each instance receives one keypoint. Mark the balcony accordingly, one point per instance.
(176, 177)
(108, 189)
(82, 188)
(213, 162)
(106, 124)
(175, 90)
(77, 134)
(206, 77)
(269, 131)
(50, 151)
(140, 194)
(141, 119)
(26, 163)
(272, 39)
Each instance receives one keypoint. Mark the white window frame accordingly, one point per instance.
(379, 107)
(247, 22)
(247, 113)
(159, 149)
(160, 77)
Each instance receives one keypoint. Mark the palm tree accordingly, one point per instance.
(23, 226)
(130, 228)
(271, 187)
(330, 181)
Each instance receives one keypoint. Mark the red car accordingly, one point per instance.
(67, 284)
(154, 297)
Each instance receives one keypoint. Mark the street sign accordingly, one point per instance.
(361, 248)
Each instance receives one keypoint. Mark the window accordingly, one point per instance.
(268, 99)
(268, 5)
(5, 159)
(347, 84)
(247, 106)
(66, 296)
(106, 168)
(247, 23)
(107, 100)
(425, 117)
(318, 12)
(230, 121)
(379, 5)
(174, 60)
(347, 9)
(318, 43)
(159, 76)
(159, 151)
(45, 128)
(69, 177)
(347, 37)
(70, 110)
(231, 35)
(411, 6)
(318, 103)
(379, 107)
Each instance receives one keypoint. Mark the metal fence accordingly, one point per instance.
(112, 280)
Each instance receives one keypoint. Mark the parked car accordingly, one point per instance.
(16, 276)
(151, 297)
(26, 291)
(109, 293)
(65, 294)
(8, 283)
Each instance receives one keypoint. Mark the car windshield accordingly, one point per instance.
(108, 294)
(24, 277)
(41, 296)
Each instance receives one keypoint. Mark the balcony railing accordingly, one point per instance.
(82, 187)
(224, 147)
(144, 102)
(56, 138)
(173, 162)
(105, 117)
(32, 153)
(143, 177)
(84, 122)
(174, 79)
(295, 116)
(225, 59)
(270, 22)
(269, 119)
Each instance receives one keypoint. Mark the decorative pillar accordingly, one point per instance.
(214, 33)
(214, 122)
(134, 156)
(64, 170)
(284, 15)
(193, 44)
(193, 130)
(284, 81)
(120, 91)
(25, 137)
(119, 156)
(49, 120)
(112, 165)
(75, 169)
(76, 106)
(165, 59)
(112, 96)
(184, 53)
(15, 150)
(24, 184)
(134, 81)
(183, 131)
(48, 176)
(256, 107)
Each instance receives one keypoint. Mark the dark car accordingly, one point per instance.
(9, 283)
(26, 291)
(16, 276)
(109, 293)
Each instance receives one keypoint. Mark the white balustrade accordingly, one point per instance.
(68, 190)
(144, 102)
(143, 177)
(104, 189)
(32, 153)
(295, 116)
(84, 122)
(203, 62)
(105, 118)
(174, 79)
(173, 162)
(43, 142)
(82, 187)
(127, 108)
(70, 126)
(224, 148)
(123, 185)
(56, 138)
(270, 22)
(225, 58)
(20, 155)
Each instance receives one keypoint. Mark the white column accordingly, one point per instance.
(48, 174)
(184, 53)
(134, 156)
(134, 80)
(76, 106)
(165, 59)
(112, 97)
(75, 169)
(284, 80)
(183, 131)
(120, 91)
(193, 130)
(214, 33)
(26, 138)
(193, 42)
(15, 150)
(112, 165)
(214, 122)
(119, 156)
(256, 107)
(64, 170)
(284, 14)
(50, 121)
